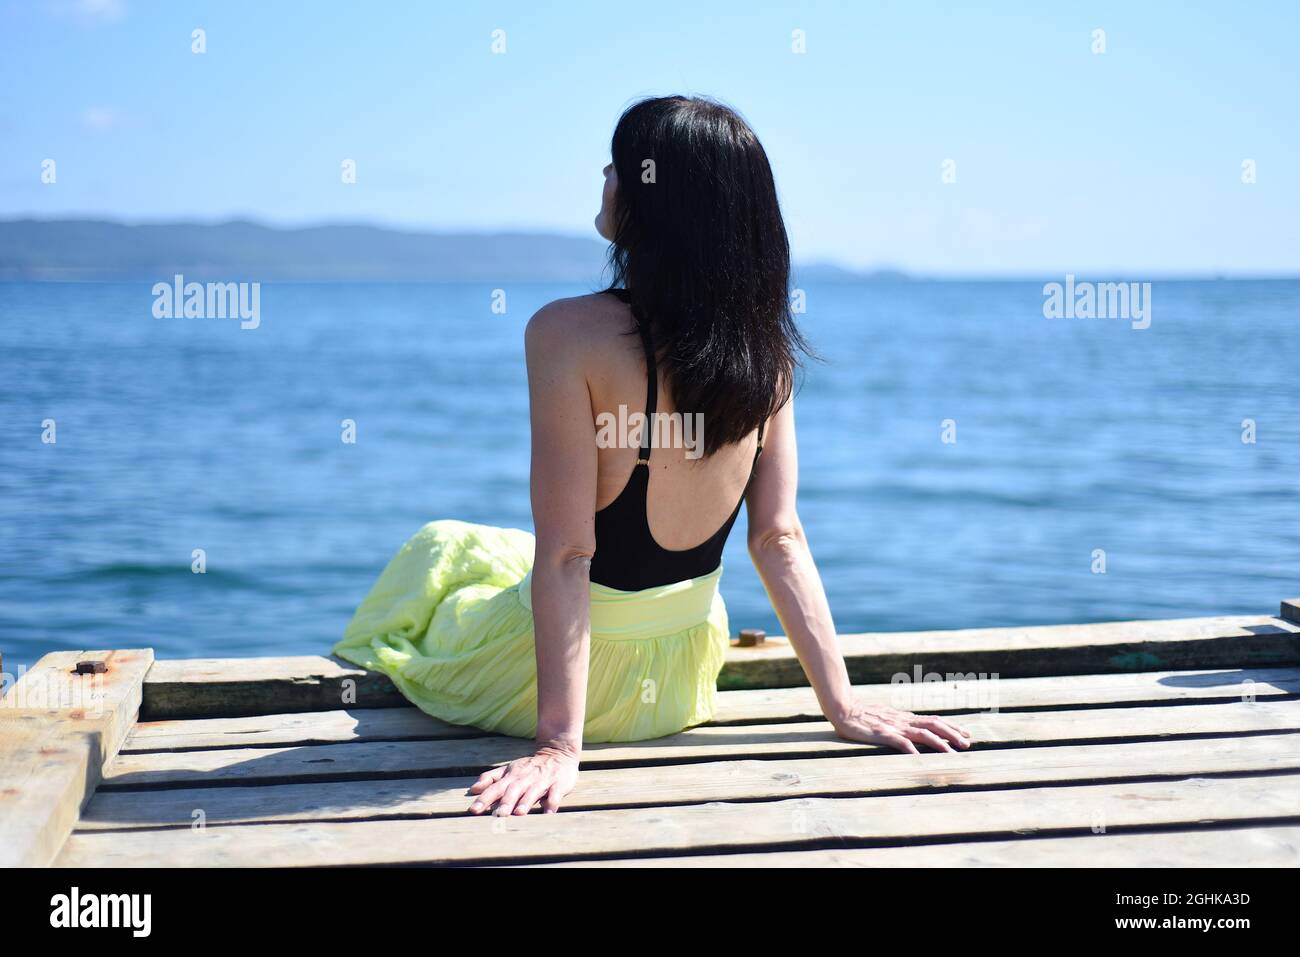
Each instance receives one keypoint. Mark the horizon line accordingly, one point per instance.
(877, 273)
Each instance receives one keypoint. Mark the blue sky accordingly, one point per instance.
(1123, 162)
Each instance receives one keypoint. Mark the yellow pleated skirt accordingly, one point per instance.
(450, 622)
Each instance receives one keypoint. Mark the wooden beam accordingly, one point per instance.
(699, 783)
(1039, 651)
(49, 763)
(231, 687)
(116, 692)
(234, 687)
(1291, 610)
(707, 828)
(58, 729)
(391, 759)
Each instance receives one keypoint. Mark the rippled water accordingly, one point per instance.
(1072, 435)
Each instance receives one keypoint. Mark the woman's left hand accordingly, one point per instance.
(901, 730)
(547, 776)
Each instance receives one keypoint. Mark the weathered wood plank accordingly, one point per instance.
(699, 783)
(49, 763)
(1038, 651)
(1291, 610)
(116, 693)
(706, 828)
(1240, 846)
(306, 727)
(734, 707)
(57, 731)
(954, 697)
(233, 687)
(230, 687)
(808, 739)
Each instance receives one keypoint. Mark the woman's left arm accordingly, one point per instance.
(564, 503)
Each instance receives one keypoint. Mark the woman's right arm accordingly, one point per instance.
(780, 552)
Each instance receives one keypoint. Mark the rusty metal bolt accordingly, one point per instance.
(749, 637)
(91, 667)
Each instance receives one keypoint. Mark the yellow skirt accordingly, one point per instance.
(450, 622)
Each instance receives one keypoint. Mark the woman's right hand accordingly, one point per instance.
(901, 730)
(547, 776)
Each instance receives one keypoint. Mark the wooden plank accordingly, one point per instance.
(234, 687)
(242, 766)
(116, 693)
(307, 727)
(1291, 610)
(57, 731)
(1038, 651)
(1237, 846)
(737, 707)
(705, 828)
(230, 687)
(49, 763)
(955, 697)
(698, 783)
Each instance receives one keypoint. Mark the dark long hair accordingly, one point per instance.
(701, 248)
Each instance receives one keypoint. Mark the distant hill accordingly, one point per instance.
(91, 249)
(84, 249)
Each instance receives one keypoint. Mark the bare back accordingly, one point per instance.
(690, 495)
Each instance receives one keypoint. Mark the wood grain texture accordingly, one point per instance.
(243, 766)
(1038, 651)
(305, 727)
(58, 729)
(1234, 847)
(49, 764)
(116, 694)
(1178, 742)
(1291, 610)
(955, 697)
(741, 779)
(707, 828)
(231, 687)
(234, 687)
(735, 707)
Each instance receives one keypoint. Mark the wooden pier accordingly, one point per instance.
(1148, 743)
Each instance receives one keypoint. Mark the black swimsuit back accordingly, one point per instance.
(627, 556)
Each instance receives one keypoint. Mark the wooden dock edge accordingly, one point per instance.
(60, 724)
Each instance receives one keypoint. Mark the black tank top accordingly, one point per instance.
(627, 556)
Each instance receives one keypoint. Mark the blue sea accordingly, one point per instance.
(1076, 441)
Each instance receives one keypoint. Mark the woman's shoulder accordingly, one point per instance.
(577, 325)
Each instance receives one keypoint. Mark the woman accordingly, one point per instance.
(609, 626)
